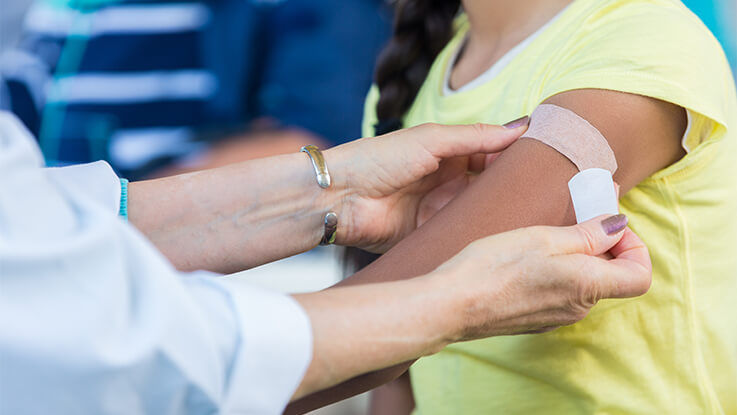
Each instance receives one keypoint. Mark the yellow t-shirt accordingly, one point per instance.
(674, 350)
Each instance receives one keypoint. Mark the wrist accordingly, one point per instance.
(456, 303)
(324, 211)
(339, 198)
(441, 306)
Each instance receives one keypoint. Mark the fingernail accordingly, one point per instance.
(519, 122)
(614, 224)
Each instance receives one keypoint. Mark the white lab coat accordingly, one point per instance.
(94, 320)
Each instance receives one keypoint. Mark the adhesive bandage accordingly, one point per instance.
(571, 136)
(592, 189)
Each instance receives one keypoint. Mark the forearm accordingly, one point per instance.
(355, 333)
(234, 217)
(503, 198)
(394, 398)
(526, 185)
(347, 389)
(271, 208)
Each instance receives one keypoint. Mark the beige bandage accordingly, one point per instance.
(571, 136)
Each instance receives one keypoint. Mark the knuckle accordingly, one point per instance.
(486, 132)
(480, 129)
(588, 239)
(480, 132)
(485, 129)
(430, 128)
(576, 316)
(428, 134)
(578, 300)
(575, 311)
(587, 296)
(543, 240)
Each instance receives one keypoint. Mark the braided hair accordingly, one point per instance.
(422, 28)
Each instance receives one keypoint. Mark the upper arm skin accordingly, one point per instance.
(644, 133)
(527, 185)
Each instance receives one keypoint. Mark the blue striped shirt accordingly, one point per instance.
(142, 83)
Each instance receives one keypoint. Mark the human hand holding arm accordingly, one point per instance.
(525, 186)
(527, 280)
(246, 214)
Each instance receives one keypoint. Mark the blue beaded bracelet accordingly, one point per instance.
(123, 212)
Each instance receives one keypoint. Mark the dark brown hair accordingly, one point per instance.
(422, 28)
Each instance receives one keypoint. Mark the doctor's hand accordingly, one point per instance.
(536, 279)
(393, 183)
(242, 215)
(530, 280)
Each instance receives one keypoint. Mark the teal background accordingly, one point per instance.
(720, 16)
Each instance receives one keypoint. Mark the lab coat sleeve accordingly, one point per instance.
(279, 365)
(96, 181)
(94, 320)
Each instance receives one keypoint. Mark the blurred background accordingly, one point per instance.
(158, 87)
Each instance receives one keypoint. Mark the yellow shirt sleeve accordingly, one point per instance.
(369, 112)
(654, 49)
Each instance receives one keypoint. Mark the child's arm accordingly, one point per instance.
(393, 398)
(525, 186)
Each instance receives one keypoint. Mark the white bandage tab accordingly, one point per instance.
(593, 194)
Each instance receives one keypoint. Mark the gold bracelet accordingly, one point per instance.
(323, 180)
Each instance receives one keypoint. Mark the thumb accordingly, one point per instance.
(593, 237)
(445, 141)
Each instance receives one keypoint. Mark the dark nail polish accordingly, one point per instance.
(519, 122)
(614, 224)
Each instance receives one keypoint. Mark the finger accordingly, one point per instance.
(542, 330)
(616, 189)
(452, 168)
(616, 278)
(628, 274)
(593, 237)
(631, 248)
(443, 141)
